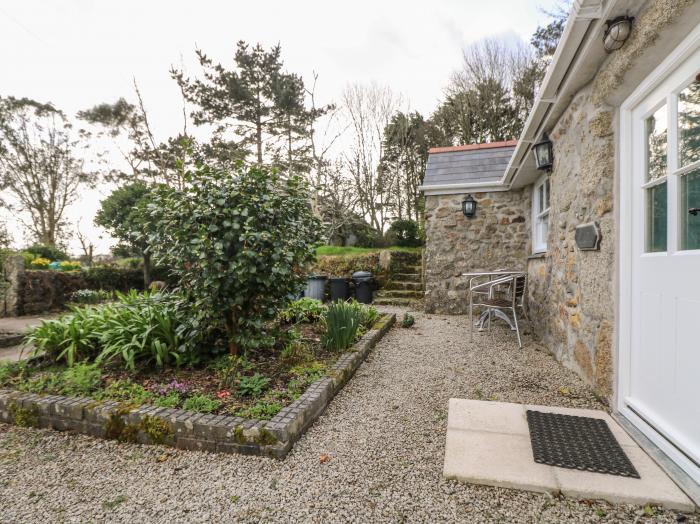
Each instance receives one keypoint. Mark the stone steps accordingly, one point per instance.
(397, 284)
(400, 293)
(407, 277)
(405, 302)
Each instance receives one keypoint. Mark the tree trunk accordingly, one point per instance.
(146, 270)
(231, 332)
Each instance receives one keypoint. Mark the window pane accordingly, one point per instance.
(540, 199)
(657, 139)
(546, 193)
(689, 124)
(690, 201)
(656, 218)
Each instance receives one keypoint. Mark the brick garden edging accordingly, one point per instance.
(187, 429)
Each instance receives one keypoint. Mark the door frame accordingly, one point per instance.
(627, 185)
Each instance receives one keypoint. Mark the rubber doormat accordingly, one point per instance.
(582, 443)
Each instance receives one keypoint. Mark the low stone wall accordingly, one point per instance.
(186, 429)
(497, 237)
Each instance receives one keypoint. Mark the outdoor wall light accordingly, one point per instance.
(543, 153)
(469, 206)
(617, 32)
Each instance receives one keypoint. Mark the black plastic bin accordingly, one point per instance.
(339, 289)
(364, 284)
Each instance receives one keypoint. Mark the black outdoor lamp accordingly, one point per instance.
(544, 155)
(617, 32)
(469, 206)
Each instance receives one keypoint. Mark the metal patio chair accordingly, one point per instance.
(512, 291)
(481, 286)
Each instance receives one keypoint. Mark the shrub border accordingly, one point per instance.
(187, 429)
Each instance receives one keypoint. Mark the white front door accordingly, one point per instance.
(660, 272)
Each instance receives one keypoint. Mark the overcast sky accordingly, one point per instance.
(77, 53)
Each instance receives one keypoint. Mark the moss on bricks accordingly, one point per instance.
(24, 417)
(156, 428)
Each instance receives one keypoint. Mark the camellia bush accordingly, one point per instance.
(237, 243)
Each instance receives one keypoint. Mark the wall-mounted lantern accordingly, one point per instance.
(544, 155)
(469, 206)
(617, 32)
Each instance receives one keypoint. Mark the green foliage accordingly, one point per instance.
(81, 380)
(69, 265)
(304, 375)
(236, 243)
(139, 328)
(90, 296)
(407, 321)
(9, 371)
(406, 233)
(302, 310)
(123, 214)
(125, 391)
(296, 351)
(346, 265)
(48, 252)
(228, 369)
(39, 263)
(113, 278)
(341, 322)
(171, 400)
(201, 404)
(262, 410)
(253, 386)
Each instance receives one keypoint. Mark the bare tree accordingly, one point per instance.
(85, 244)
(369, 110)
(38, 165)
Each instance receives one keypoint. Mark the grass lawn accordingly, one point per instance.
(346, 251)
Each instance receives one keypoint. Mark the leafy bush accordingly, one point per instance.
(171, 400)
(302, 310)
(228, 369)
(263, 410)
(367, 314)
(39, 263)
(126, 391)
(341, 322)
(405, 233)
(296, 351)
(253, 386)
(407, 321)
(201, 404)
(113, 278)
(47, 252)
(139, 328)
(80, 380)
(90, 296)
(236, 243)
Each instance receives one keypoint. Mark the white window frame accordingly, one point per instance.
(539, 239)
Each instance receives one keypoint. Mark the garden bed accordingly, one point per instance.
(188, 429)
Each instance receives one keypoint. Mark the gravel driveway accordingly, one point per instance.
(375, 455)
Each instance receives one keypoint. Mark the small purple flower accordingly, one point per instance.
(175, 386)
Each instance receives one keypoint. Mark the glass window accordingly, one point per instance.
(689, 124)
(540, 228)
(656, 218)
(657, 139)
(690, 210)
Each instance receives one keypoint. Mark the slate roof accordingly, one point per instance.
(472, 163)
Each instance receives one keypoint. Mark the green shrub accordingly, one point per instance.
(229, 368)
(253, 386)
(48, 252)
(367, 314)
(302, 310)
(296, 351)
(405, 233)
(201, 404)
(407, 321)
(341, 321)
(111, 278)
(171, 400)
(80, 380)
(9, 371)
(126, 391)
(263, 410)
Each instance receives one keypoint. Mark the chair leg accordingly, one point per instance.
(490, 319)
(471, 317)
(517, 329)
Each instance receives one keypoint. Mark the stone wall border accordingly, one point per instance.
(187, 429)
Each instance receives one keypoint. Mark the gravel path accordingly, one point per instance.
(375, 455)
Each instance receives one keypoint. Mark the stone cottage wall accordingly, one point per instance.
(573, 293)
(497, 237)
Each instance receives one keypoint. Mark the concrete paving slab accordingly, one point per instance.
(486, 444)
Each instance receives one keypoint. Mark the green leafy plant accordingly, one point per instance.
(171, 400)
(305, 375)
(47, 252)
(125, 391)
(69, 265)
(405, 233)
(235, 242)
(407, 320)
(263, 410)
(341, 321)
(201, 404)
(228, 369)
(253, 386)
(302, 310)
(81, 380)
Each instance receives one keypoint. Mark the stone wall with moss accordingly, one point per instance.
(573, 293)
(497, 237)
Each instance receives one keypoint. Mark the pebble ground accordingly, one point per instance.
(376, 454)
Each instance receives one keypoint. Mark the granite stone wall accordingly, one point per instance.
(497, 237)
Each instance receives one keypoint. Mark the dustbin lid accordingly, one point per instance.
(360, 275)
(318, 277)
